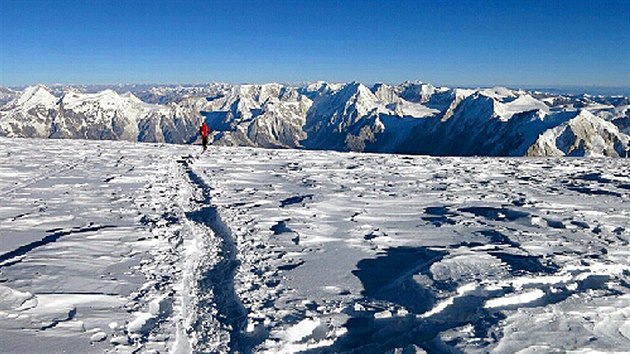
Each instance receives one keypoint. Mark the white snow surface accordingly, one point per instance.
(138, 247)
(521, 104)
(33, 96)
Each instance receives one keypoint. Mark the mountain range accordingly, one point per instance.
(410, 118)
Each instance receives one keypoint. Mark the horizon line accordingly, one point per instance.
(300, 83)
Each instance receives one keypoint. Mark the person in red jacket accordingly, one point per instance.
(204, 131)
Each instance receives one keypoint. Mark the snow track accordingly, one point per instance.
(216, 285)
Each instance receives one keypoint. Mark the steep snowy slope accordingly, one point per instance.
(29, 114)
(583, 135)
(524, 103)
(622, 119)
(258, 115)
(7, 95)
(105, 115)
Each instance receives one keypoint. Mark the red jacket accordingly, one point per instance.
(204, 130)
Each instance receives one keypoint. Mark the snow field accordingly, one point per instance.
(120, 247)
(372, 248)
(93, 251)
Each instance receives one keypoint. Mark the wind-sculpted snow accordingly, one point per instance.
(412, 117)
(95, 253)
(371, 253)
(123, 247)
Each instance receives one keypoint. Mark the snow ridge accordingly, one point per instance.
(412, 117)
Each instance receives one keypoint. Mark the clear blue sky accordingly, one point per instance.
(457, 42)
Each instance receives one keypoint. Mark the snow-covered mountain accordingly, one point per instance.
(105, 115)
(7, 95)
(412, 117)
(581, 135)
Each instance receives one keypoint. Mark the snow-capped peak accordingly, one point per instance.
(32, 96)
(106, 99)
(497, 121)
(524, 103)
(498, 92)
(583, 135)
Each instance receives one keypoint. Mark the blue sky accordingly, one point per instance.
(458, 42)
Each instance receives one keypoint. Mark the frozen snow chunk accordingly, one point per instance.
(160, 306)
(412, 348)
(383, 314)
(537, 221)
(359, 307)
(120, 340)
(251, 326)
(516, 299)
(468, 267)
(142, 324)
(11, 299)
(301, 330)
(98, 337)
(374, 234)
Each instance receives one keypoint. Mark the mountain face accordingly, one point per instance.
(105, 115)
(412, 117)
(581, 135)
